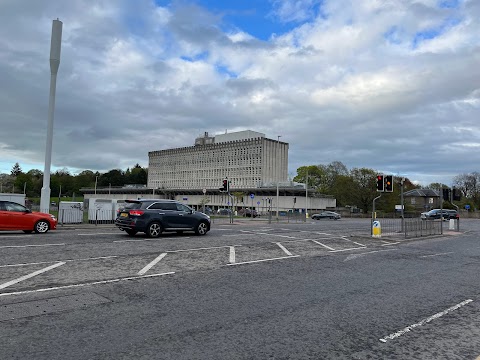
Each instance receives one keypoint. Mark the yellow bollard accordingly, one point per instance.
(376, 229)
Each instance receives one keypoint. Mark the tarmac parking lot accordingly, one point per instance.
(93, 255)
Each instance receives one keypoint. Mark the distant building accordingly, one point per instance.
(247, 158)
(422, 199)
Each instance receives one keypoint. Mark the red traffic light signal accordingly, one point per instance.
(380, 183)
(225, 184)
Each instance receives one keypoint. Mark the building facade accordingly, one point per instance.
(247, 158)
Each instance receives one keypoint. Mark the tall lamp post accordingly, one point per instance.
(278, 175)
(55, 46)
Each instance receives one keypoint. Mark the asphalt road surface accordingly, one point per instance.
(252, 290)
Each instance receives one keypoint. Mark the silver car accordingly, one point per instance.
(326, 215)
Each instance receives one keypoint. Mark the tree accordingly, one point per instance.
(469, 185)
(312, 173)
(16, 169)
(363, 187)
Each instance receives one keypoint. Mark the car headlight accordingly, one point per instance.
(53, 217)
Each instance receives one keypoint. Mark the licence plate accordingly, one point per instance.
(123, 214)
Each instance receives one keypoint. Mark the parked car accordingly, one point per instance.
(326, 215)
(445, 214)
(247, 212)
(224, 211)
(156, 216)
(14, 216)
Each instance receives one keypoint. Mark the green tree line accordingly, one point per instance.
(351, 187)
(357, 187)
(66, 183)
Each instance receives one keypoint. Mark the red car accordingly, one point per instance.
(14, 216)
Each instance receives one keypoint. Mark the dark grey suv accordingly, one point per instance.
(155, 216)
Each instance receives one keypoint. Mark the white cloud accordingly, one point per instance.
(347, 83)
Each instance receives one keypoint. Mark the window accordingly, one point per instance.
(14, 207)
(181, 207)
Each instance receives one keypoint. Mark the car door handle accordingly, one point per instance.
(161, 213)
(181, 214)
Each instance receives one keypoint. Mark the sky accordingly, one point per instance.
(383, 84)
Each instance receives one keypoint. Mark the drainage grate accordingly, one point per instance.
(48, 306)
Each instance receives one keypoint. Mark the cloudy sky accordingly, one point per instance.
(385, 84)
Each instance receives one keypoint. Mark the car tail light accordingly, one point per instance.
(136, 212)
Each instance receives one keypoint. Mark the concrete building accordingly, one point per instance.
(254, 165)
(247, 158)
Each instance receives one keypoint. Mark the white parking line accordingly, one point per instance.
(424, 321)
(263, 260)
(354, 256)
(92, 233)
(262, 233)
(28, 276)
(15, 236)
(56, 261)
(26, 246)
(152, 264)
(196, 249)
(325, 246)
(284, 249)
(232, 254)
(140, 240)
(439, 254)
(333, 251)
(85, 284)
(27, 264)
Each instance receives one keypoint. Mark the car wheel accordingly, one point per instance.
(154, 230)
(41, 227)
(202, 228)
(27, 231)
(131, 232)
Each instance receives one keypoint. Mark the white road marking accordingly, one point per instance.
(27, 264)
(354, 256)
(196, 249)
(394, 243)
(85, 284)
(439, 254)
(356, 243)
(325, 246)
(232, 254)
(15, 236)
(284, 249)
(234, 235)
(139, 240)
(424, 321)
(263, 260)
(333, 251)
(152, 264)
(28, 276)
(56, 261)
(26, 246)
(110, 233)
(262, 233)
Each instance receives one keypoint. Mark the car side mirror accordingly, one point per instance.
(28, 211)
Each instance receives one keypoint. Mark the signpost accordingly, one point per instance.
(252, 196)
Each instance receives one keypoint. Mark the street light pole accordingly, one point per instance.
(55, 46)
(96, 179)
(278, 175)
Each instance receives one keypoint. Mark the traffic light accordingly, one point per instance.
(446, 194)
(380, 183)
(457, 194)
(388, 183)
(225, 185)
